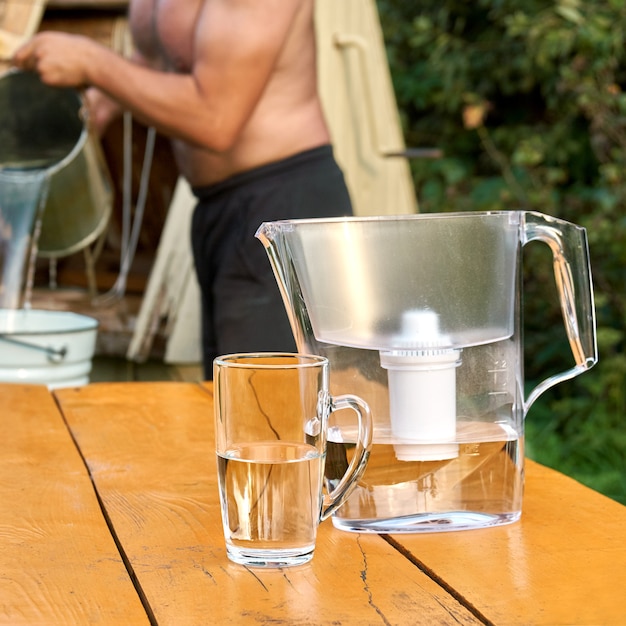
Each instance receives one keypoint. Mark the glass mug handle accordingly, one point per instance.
(359, 461)
(572, 273)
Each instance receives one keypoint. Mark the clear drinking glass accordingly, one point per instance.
(271, 427)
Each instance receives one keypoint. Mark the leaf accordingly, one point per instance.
(569, 13)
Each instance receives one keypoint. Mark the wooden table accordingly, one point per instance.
(109, 514)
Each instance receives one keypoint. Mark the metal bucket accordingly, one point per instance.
(53, 348)
(43, 127)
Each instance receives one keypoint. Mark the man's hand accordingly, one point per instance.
(60, 59)
(102, 110)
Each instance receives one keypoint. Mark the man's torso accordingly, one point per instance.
(286, 120)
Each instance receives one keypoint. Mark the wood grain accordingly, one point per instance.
(19, 20)
(58, 561)
(563, 563)
(150, 451)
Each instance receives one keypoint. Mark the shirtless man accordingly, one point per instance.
(233, 84)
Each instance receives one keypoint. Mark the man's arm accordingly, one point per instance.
(235, 49)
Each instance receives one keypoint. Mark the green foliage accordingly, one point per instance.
(527, 100)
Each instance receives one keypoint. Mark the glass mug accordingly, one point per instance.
(271, 428)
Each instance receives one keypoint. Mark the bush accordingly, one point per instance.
(526, 100)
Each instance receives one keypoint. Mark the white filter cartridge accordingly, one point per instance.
(422, 391)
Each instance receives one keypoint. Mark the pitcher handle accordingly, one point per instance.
(572, 272)
(359, 461)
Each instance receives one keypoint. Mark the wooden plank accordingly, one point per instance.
(19, 20)
(173, 293)
(58, 560)
(21, 17)
(150, 450)
(563, 563)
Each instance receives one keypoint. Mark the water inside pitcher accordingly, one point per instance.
(420, 316)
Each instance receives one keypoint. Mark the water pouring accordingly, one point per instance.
(420, 316)
(22, 199)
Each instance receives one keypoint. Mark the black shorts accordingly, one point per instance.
(242, 310)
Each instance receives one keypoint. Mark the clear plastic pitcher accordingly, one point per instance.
(420, 315)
